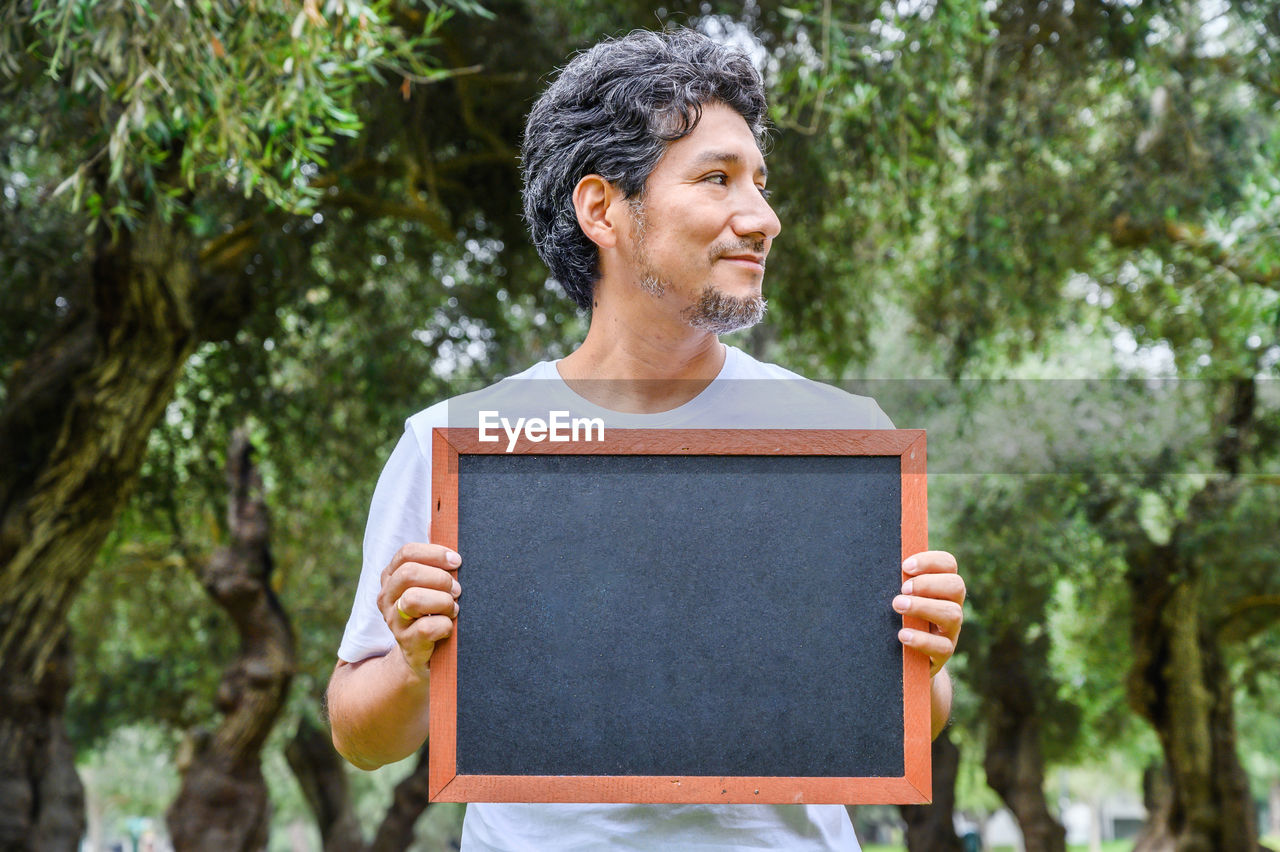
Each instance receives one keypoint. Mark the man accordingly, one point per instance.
(645, 193)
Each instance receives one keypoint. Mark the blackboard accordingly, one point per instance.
(680, 616)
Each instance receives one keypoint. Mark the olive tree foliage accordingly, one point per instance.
(184, 97)
(975, 156)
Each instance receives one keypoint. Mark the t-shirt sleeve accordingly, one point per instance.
(398, 514)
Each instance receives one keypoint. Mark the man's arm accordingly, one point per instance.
(378, 706)
(939, 702)
(377, 710)
(934, 591)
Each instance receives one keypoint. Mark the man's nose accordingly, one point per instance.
(757, 217)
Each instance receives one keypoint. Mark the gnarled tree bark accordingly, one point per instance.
(1014, 759)
(322, 776)
(411, 798)
(1180, 685)
(323, 779)
(222, 805)
(1179, 681)
(43, 801)
(72, 436)
(1157, 797)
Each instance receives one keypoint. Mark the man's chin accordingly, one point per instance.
(720, 313)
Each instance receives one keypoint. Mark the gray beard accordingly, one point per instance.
(720, 314)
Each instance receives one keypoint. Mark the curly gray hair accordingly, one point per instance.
(612, 111)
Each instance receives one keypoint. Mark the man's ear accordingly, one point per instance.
(597, 204)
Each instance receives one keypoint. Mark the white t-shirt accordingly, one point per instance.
(746, 394)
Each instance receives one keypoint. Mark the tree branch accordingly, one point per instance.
(1248, 617)
(1125, 233)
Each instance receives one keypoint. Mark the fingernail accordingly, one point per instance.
(457, 590)
(904, 635)
(453, 559)
(910, 566)
(901, 604)
(907, 587)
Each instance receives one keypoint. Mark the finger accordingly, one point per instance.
(415, 575)
(418, 638)
(946, 587)
(930, 562)
(947, 615)
(938, 648)
(417, 602)
(428, 629)
(422, 553)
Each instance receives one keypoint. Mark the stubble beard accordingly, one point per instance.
(714, 311)
(720, 313)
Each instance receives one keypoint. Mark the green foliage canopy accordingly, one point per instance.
(247, 96)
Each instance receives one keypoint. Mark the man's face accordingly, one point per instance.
(703, 229)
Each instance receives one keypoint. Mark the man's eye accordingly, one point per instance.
(766, 194)
(718, 179)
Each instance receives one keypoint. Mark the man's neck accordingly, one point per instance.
(639, 367)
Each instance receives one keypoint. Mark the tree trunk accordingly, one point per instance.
(72, 435)
(1157, 798)
(1179, 684)
(932, 828)
(41, 798)
(410, 800)
(222, 805)
(324, 783)
(1014, 760)
(323, 779)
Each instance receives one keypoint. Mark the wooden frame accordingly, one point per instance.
(913, 786)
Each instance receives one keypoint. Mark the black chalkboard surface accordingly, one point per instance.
(670, 618)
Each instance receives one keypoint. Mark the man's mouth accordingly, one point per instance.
(751, 261)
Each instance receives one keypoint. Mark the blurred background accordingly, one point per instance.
(240, 242)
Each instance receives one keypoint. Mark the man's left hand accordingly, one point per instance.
(933, 591)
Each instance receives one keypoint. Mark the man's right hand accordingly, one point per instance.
(419, 600)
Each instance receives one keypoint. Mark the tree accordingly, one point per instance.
(223, 800)
(137, 97)
(322, 775)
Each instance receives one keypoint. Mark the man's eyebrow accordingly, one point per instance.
(729, 158)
